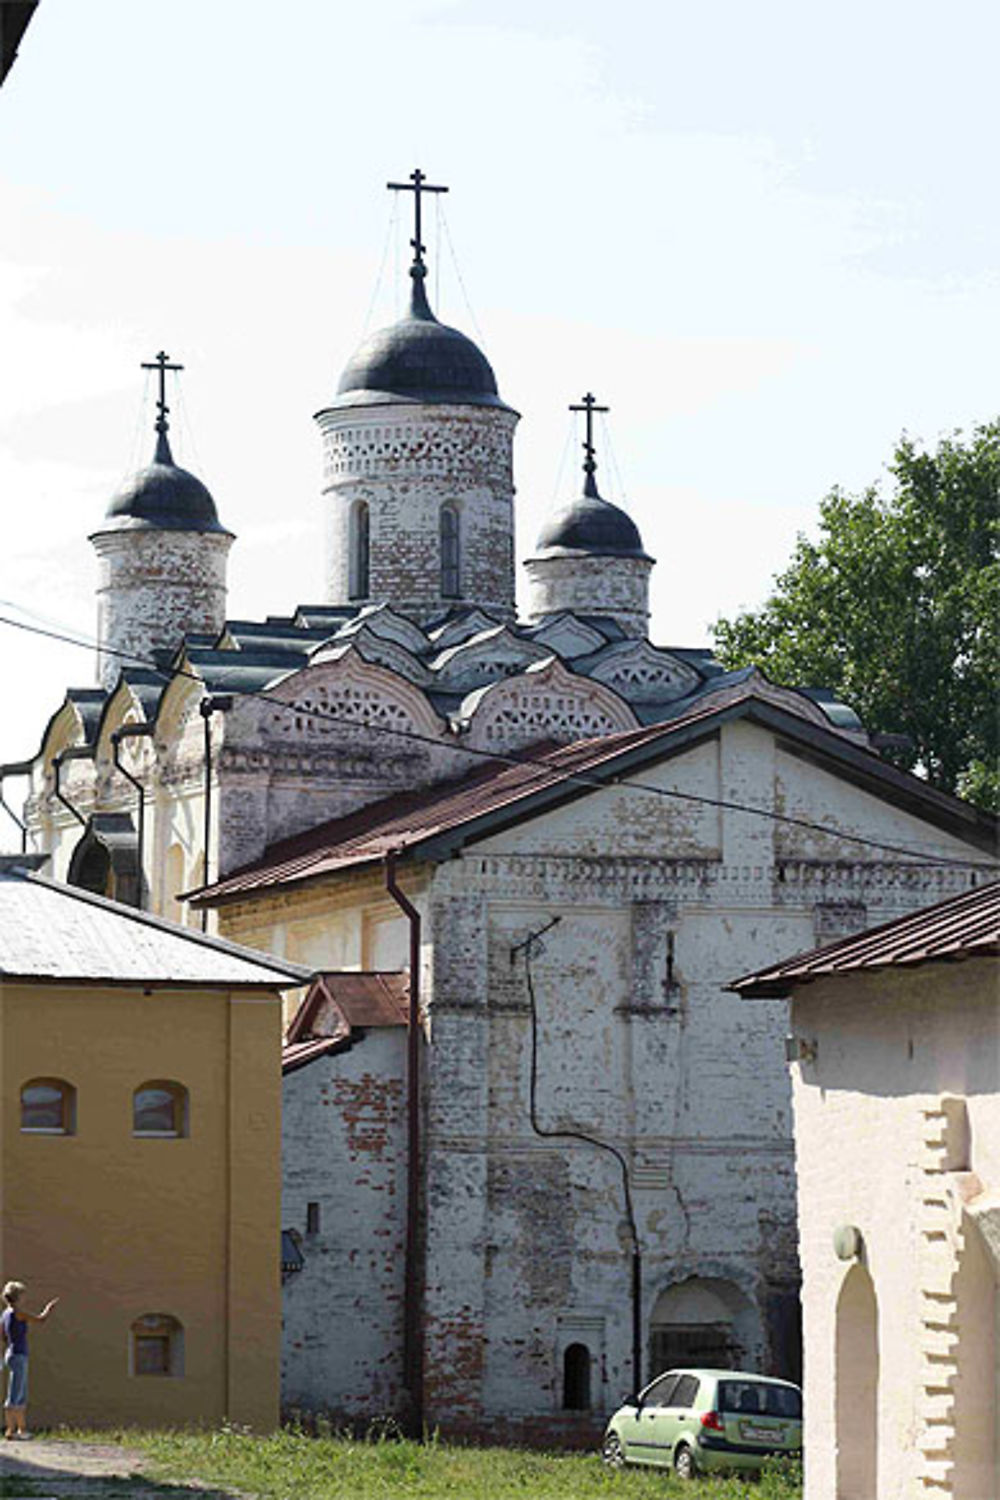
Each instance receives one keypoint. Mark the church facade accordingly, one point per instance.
(605, 1163)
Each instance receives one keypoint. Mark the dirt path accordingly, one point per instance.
(54, 1469)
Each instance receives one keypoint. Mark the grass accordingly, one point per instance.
(290, 1464)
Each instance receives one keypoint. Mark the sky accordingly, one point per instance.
(767, 236)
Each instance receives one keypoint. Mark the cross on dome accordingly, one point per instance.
(589, 405)
(161, 363)
(417, 185)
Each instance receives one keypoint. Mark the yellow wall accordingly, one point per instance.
(119, 1226)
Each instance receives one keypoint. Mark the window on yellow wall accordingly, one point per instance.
(160, 1110)
(48, 1107)
(156, 1345)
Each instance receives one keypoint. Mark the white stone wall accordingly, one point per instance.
(405, 462)
(613, 586)
(898, 1109)
(344, 1128)
(153, 587)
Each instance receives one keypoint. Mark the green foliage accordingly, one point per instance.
(897, 608)
(384, 1467)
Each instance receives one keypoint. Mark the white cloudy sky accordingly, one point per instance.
(766, 234)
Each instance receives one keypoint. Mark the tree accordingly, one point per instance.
(897, 608)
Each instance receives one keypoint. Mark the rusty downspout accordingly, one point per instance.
(132, 731)
(412, 1339)
(15, 768)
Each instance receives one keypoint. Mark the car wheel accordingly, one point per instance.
(684, 1462)
(613, 1452)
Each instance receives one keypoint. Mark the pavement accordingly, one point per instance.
(57, 1469)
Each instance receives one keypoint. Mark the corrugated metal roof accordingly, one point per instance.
(400, 821)
(964, 926)
(338, 1004)
(57, 932)
(405, 822)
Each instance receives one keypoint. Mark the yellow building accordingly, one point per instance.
(140, 1151)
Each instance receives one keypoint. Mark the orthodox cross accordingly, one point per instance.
(162, 363)
(417, 184)
(589, 405)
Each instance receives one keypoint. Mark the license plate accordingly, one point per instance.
(754, 1433)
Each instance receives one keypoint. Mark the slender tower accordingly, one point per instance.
(162, 556)
(417, 457)
(589, 558)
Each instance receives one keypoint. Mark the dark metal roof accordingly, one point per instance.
(593, 525)
(417, 360)
(162, 497)
(963, 926)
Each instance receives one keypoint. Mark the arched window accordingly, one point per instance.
(576, 1378)
(156, 1345)
(48, 1107)
(358, 583)
(450, 580)
(160, 1108)
(703, 1322)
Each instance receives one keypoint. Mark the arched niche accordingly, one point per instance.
(703, 1321)
(105, 860)
(856, 1388)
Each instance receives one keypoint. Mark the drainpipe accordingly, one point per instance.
(412, 1348)
(132, 731)
(218, 703)
(78, 752)
(15, 768)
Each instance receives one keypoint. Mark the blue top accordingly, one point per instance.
(15, 1332)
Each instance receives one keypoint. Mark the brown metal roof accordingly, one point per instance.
(396, 822)
(338, 1005)
(964, 926)
(403, 822)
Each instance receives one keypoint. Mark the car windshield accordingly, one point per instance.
(755, 1399)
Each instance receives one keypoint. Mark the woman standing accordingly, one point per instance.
(15, 1334)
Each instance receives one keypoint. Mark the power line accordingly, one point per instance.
(555, 772)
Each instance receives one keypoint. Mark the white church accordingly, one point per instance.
(534, 1149)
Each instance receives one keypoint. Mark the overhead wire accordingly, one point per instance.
(553, 772)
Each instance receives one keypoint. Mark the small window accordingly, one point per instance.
(160, 1109)
(576, 1378)
(661, 1392)
(687, 1390)
(359, 543)
(312, 1218)
(156, 1345)
(48, 1107)
(450, 580)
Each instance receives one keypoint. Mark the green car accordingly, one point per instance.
(704, 1421)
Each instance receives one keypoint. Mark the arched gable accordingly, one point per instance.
(383, 621)
(547, 702)
(177, 720)
(569, 637)
(345, 698)
(454, 632)
(493, 653)
(640, 672)
(374, 648)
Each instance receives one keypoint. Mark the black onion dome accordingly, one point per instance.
(418, 360)
(163, 497)
(591, 524)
